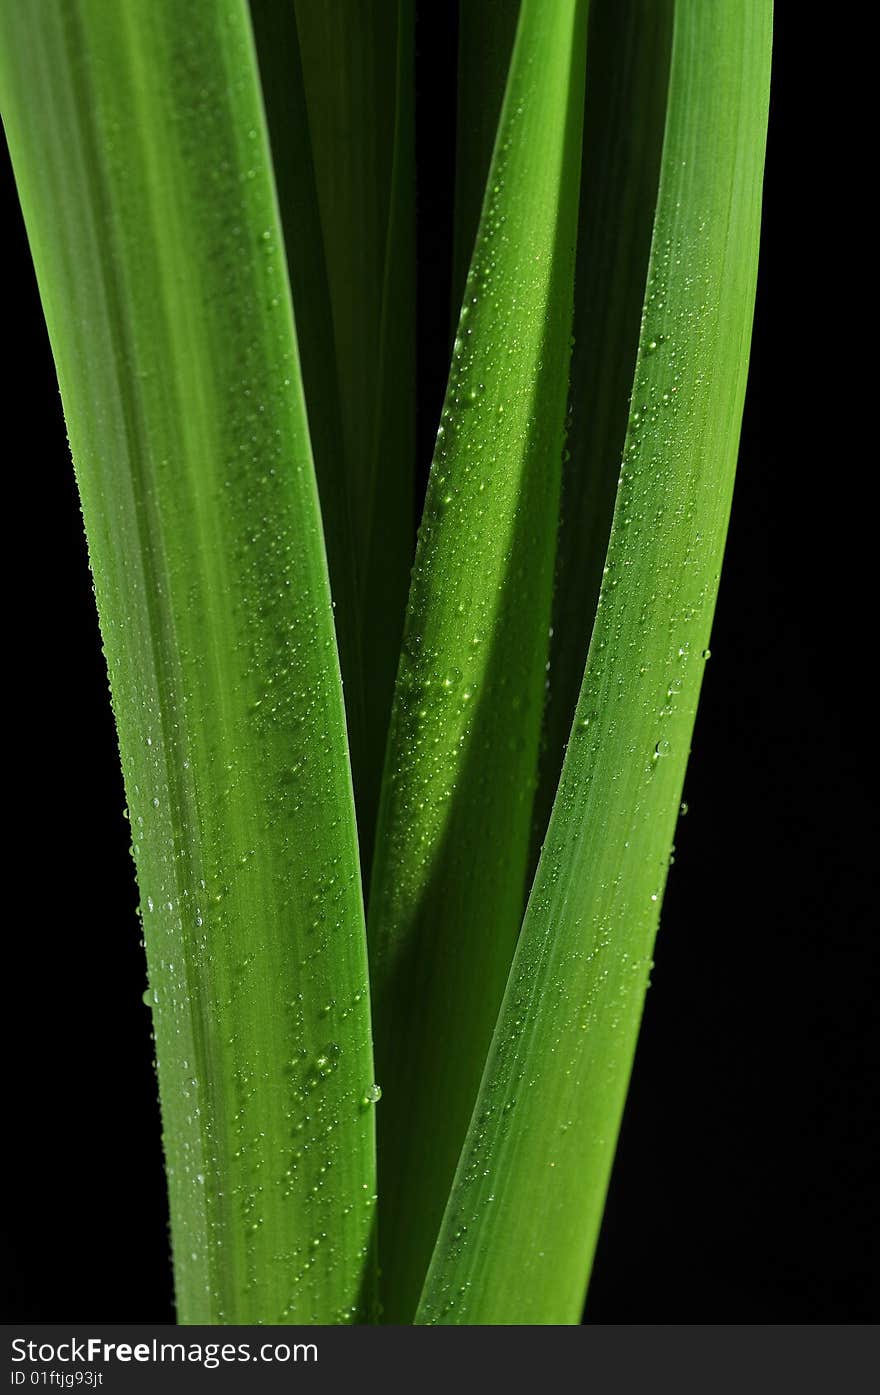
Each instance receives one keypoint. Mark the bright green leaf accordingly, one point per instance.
(141, 156)
(449, 872)
(518, 1235)
(627, 86)
(358, 60)
(284, 98)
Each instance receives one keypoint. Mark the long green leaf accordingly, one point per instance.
(623, 138)
(141, 155)
(520, 1228)
(283, 90)
(358, 60)
(462, 755)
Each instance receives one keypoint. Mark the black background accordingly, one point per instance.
(743, 1189)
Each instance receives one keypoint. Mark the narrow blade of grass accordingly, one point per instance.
(623, 138)
(139, 148)
(283, 90)
(456, 805)
(518, 1235)
(358, 59)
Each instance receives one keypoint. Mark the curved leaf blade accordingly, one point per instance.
(358, 61)
(446, 903)
(282, 86)
(627, 88)
(519, 1231)
(141, 156)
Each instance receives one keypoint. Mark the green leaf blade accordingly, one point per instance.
(141, 157)
(519, 1231)
(627, 89)
(283, 90)
(446, 902)
(358, 61)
